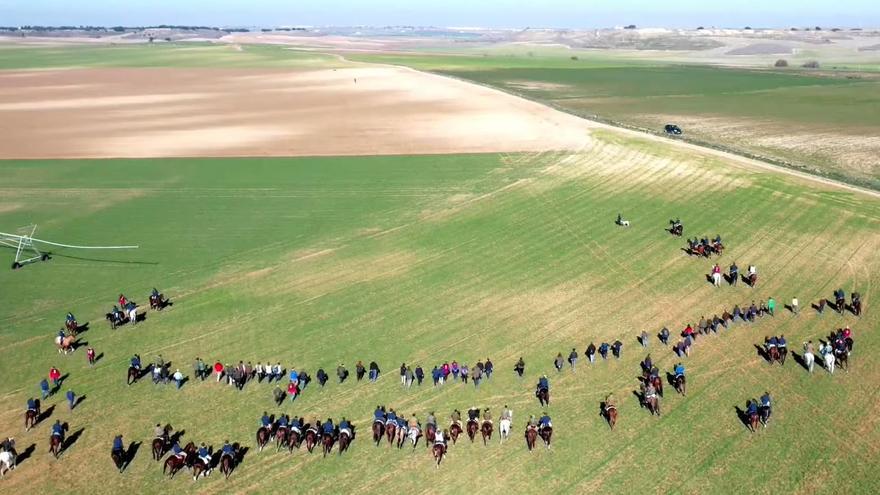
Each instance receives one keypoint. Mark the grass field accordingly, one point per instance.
(425, 259)
(824, 123)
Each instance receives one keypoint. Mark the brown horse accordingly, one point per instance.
(546, 435)
(390, 432)
(66, 344)
(56, 442)
(430, 435)
(753, 280)
(531, 436)
(472, 428)
(228, 462)
(680, 383)
(293, 440)
(118, 457)
(610, 413)
(157, 302)
(378, 431)
(174, 463)
(160, 444)
(754, 420)
(773, 354)
(311, 438)
(71, 327)
(653, 404)
(263, 435)
(658, 384)
(327, 443)
(344, 441)
(439, 451)
(133, 375)
(543, 397)
(281, 438)
(486, 430)
(454, 431)
(401, 437)
(842, 357)
(31, 416)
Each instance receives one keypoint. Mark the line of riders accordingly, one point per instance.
(290, 433)
(855, 306)
(705, 325)
(125, 311)
(758, 412)
(732, 277)
(837, 348)
(704, 247)
(651, 386)
(200, 460)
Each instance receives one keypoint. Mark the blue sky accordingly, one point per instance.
(489, 13)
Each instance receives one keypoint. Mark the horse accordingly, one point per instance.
(293, 440)
(658, 384)
(439, 451)
(157, 302)
(311, 438)
(174, 463)
(753, 280)
(65, 344)
(487, 430)
(56, 443)
(263, 435)
(160, 444)
(653, 404)
(773, 354)
(327, 443)
(454, 431)
(829, 362)
(401, 436)
(842, 357)
(71, 326)
(753, 421)
(378, 431)
(783, 353)
(133, 375)
(472, 429)
(228, 462)
(503, 430)
(390, 432)
(610, 413)
(765, 415)
(680, 383)
(543, 395)
(531, 436)
(118, 457)
(281, 438)
(546, 434)
(31, 416)
(414, 433)
(344, 441)
(840, 304)
(115, 319)
(430, 435)
(7, 461)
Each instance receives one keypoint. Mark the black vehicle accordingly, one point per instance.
(672, 129)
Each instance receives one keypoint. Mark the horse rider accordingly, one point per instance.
(413, 426)
(328, 428)
(391, 417)
(717, 239)
(782, 344)
(533, 422)
(379, 415)
(401, 423)
(506, 414)
(176, 451)
(752, 270)
(282, 422)
(345, 427)
(455, 417)
(765, 403)
(650, 392)
(155, 294)
(204, 455)
(431, 420)
(545, 422)
(160, 433)
(58, 430)
(679, 370)
(543, 384)
(296, 425)
(610, 402)
(487, 416)
(32, 406)
(265, 422)
(117, 446)
(473, 414)
(227, 450)
(734, 273)
(770, 343)
(439, 439)
(70, 318)
(647, 364)
(61, 335)
(7, 445)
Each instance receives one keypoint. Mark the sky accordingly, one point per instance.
(445, 13)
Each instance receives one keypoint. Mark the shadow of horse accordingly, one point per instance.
(71, 440)
(799, 360)
(638, 396)
(130, 453)
(44, 415)
(140, 317)
(78, 401)
(743, 417)
(670, 379)
(709, 279)
(763, 353)
(80, 329)
(728, 278)
(26, 454)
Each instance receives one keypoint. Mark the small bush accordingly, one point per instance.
(812, 64)
(781, 63)
(574, 57)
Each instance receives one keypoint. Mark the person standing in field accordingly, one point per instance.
(771, 306)
(795, 307)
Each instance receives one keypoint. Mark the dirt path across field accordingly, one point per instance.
(104, 113)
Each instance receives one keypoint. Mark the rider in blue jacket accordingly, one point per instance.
(679, 369)
(227, 449)
(544, 421)
(265, 421)
(117, 444)
(379, 414)
(328, 427)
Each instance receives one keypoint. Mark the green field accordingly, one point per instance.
(413, 259)
(824, 123)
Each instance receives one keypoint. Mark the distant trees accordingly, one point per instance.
(574, 57)
(631, 26)
(781, 63)
(748, 28)
(811, 64)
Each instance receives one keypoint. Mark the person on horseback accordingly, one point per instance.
(473, 413)
(155, 294)
(734, 273)
(32, 406)
(379, 414)
(117, 449)
(455, 417)
(506, 414)
(532, 422)
(282, 422)
(487, 416)
(770, 343)
(61, 335)
(345, 427)
(204, 455)
(58, 430)
(176, 451)
(160, 433)
(439, 438)
(545, 421)
(328, 427)
(265, 422)
(610, 402)
(296, 424)
(227, 450)
(766, 408)
(70, 318)
(391, 417)
(543, 384)
(678, 370)
(123, 301)
(431, 420)
(647, 364)
(615, 348)
(650, 392)
(664, 336)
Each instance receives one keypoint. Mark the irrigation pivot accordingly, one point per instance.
(26, 252)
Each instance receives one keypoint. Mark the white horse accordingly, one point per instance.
(504, 429)
(7, 462)
(413, 434)
(809, 359)
(829, 362)
(716, 279)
